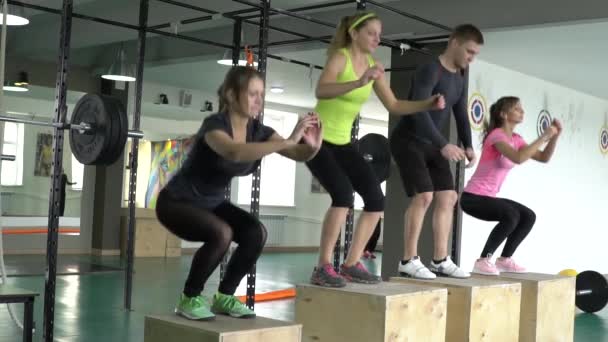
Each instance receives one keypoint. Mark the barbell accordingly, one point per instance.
(98, 129)
(591, 291)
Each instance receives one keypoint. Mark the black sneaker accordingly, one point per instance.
(326, 276)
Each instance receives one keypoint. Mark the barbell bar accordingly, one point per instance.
(98, 129)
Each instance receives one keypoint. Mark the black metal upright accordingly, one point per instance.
(236, 41)
(350, 217)
(236, 50)
(337, 247)
(61, 90)
(457, 220)
(459, 185)
(139, 81)
(255, 182)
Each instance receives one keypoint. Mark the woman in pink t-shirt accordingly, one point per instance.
(502, 149)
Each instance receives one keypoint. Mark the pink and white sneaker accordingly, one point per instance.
(509, 265)
(486, 267)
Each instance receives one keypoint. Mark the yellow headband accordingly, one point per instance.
(360, 20)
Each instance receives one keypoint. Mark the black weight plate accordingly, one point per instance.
(88, 147)
(114, 127)
(117, 142)
(376, 146)
(598, 298)
(124, 129)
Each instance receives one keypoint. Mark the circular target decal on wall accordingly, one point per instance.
(604, 140)
(477, 111)
(544, 121)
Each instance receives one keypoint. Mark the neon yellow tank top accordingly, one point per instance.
(338, 114)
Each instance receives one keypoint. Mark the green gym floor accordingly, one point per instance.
(89, 296)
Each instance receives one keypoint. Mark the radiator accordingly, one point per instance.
(275, 225)
(5, 202)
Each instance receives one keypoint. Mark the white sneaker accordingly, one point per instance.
(448, 268)
(415, 269)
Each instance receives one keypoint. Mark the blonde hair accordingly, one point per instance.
(342, 37)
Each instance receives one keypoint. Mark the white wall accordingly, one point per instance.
(568, 193)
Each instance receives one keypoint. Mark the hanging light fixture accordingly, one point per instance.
(243, 56)
(120, 70)
(17, 18)
(21, 85)
(12, 87)
(227, 59)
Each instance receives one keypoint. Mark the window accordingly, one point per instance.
(77, 174)
(278, 172)
(12, 171)
(363, 130)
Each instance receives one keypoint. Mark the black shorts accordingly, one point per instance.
(421, 166)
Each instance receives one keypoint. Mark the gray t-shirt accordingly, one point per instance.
(431, 79)
(205, 174)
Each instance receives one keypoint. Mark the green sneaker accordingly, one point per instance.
(195, 308)
(230, 305)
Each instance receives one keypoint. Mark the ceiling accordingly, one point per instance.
(557, 40)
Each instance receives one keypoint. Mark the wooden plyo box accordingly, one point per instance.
(222, 329)
(384, 312)
(479, 310)
(547, 306)
(152, 239)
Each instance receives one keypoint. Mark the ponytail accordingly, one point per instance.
(504, 104)
(342, 37)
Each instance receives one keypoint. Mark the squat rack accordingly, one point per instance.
(264, 12)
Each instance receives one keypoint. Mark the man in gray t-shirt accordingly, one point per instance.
(423, 154)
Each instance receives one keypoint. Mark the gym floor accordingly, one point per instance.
(89, 295)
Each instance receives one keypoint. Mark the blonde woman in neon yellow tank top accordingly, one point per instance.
(346, 83)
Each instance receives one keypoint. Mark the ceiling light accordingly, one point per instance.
(277, 89)
(17, 18)
(15, 88)
(227, 59)
(120, 70)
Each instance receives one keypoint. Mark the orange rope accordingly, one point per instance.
(17, 231)
(273, 295)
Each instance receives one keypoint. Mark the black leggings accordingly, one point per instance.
(514, 221)
(216, 228)
(339, 169)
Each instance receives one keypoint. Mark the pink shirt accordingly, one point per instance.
(493, 166)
